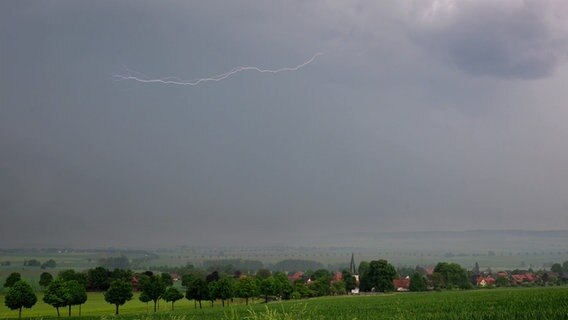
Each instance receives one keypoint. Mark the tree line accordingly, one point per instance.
(69, 288)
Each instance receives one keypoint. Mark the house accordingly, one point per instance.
(296, 276)
(523, 278)
(336, 277)
(401, 284)
(175, 276)
(485, 281)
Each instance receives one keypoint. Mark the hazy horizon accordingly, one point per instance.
(419, 116)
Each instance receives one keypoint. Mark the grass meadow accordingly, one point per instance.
(513, 303)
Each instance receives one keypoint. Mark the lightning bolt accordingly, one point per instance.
(140, 77)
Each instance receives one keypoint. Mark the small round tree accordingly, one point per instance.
(145, 299)
(172, 295)
(20, 295)
(417, 283)
(45, 279)
(77, 294)
(118, 293)
(56, 295)
(153, 287)
(12, 279)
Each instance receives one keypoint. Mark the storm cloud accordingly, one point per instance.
(391, 129)
(524, 39)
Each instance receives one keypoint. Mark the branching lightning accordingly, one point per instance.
(140, 77)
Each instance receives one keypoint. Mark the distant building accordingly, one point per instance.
(355, 274)
(401, 284)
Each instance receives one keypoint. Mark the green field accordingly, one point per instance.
(518, 303)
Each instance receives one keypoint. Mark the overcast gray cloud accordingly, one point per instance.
(524, 39)
(380, 133)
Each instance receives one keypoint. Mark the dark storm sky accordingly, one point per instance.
(420, 115)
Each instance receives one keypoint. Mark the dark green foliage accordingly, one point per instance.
(186, 280)
(246, 288)
(20, 295)
(76, 294)
(338, 288)
(118, 293)
(557, 267)
(121, 274)
(502, 281)
(417, 282)
(153, 286)
(197, 290)
(267, 288)
(167, 279)
(112, 263)
(224, 289)
(49, 264)
(56, 295)
(99, 279)
(45, 279)
(172, 295)
(212, 277)
(12, 279)
(32, 263)
(450, 275)
(70, 274)
(263, 273)
(364, 282)
(282, 286)
(349, 280)
(379, 276)
(144, 299)
(296, 265)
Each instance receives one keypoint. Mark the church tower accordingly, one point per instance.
(354, 272)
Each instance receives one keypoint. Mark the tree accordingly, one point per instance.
(364, 282)
(32, 263)
(172, 295)
(99, 278)
(282, 286)
(212, 291)
(349, 280)
(70, 274)
(451, 275)
(565, 266)
(246, 288)
(557, 267)
(76, 294)
(20, 295)
(417, 283)
(224, 289)
(12, 279)
(263, 273)
(186, 280)
(154, 287)
(56, 295)
(49, 264)
(167, 279)
(338, 288)
(502, 281)
(118, 293)
(380, 275)
(145, 299)
(197, 290)
(267, 287)
(45, 279)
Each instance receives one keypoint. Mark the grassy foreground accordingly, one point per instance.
(526, 303)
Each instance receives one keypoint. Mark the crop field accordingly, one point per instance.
(516, 303)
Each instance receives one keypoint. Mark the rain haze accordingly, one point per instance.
(419, 116)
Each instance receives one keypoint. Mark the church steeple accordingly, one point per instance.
(352, 267)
